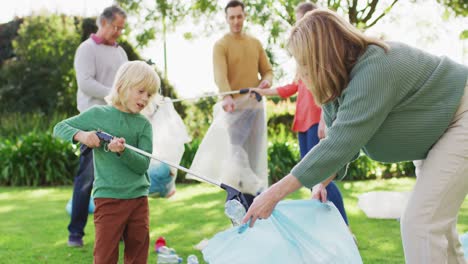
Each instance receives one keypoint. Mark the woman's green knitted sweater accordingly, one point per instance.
(395, 108)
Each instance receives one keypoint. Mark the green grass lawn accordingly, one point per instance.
(33, 225)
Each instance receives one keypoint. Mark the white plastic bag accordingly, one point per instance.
(383, 205)
(234, 149)
(169, 137)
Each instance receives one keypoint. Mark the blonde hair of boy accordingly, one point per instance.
(132, 75)
(325, 48)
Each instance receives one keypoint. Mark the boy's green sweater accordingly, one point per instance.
(395, 108)
(120, 177)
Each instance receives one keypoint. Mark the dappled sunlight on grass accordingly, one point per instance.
(36, 222)
(32, 193)
(61, 242)
(7, 208)
(387, 246)
(397, 185)
(205, 205)
(4, 196)
(170, 227)
(39, 193)
(351, 210)
(189, 191)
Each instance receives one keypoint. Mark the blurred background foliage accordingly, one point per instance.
(38, 88)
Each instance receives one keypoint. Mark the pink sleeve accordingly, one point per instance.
(287, 90)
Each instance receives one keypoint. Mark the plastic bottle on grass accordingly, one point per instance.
(169, 259)
(168, 255)
(192, 259)
(235, 211)
(160, 242)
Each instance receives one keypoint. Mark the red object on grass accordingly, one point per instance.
(160, 242)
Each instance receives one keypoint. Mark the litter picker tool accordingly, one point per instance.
(258, 97)
(232, 194)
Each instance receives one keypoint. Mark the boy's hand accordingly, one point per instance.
(117, 145)
(89, 138)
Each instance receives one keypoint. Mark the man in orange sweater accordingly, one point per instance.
(238, 59)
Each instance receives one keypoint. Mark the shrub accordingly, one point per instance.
(366, 169)
(37, 159)
(41, 77)
(282, 156)
(8, 32)
(199, 116)
(190, 150)
(14, 125)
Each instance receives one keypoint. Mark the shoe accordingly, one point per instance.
(75, 242)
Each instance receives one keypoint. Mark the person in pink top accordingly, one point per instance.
(306, 124)
(307, 118)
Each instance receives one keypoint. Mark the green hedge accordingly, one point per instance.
(37, 159)
(30, 156)
(14, 125)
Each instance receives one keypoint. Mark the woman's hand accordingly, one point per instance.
(263, 205)
(322, 128)
(319, 192)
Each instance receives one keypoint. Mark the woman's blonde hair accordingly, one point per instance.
(325, 48)
(133, 74)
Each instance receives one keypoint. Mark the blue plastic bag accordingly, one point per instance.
(68, 207)
(303, 231)
(464, 242)
(162, 183)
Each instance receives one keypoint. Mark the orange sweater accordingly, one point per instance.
(237, 61)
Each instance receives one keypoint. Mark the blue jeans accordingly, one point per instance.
(81, 194)
(307, 140)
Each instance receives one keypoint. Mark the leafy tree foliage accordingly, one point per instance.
(40, 77)
(38, 74)
(8, 32)
(155, 16)
(276, 16)
(459, 7)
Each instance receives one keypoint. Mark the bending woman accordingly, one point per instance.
(396, 103)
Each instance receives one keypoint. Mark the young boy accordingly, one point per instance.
(121, 180)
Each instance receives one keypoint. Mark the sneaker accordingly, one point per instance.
(75, 242)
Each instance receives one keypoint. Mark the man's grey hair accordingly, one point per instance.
(109, 14)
